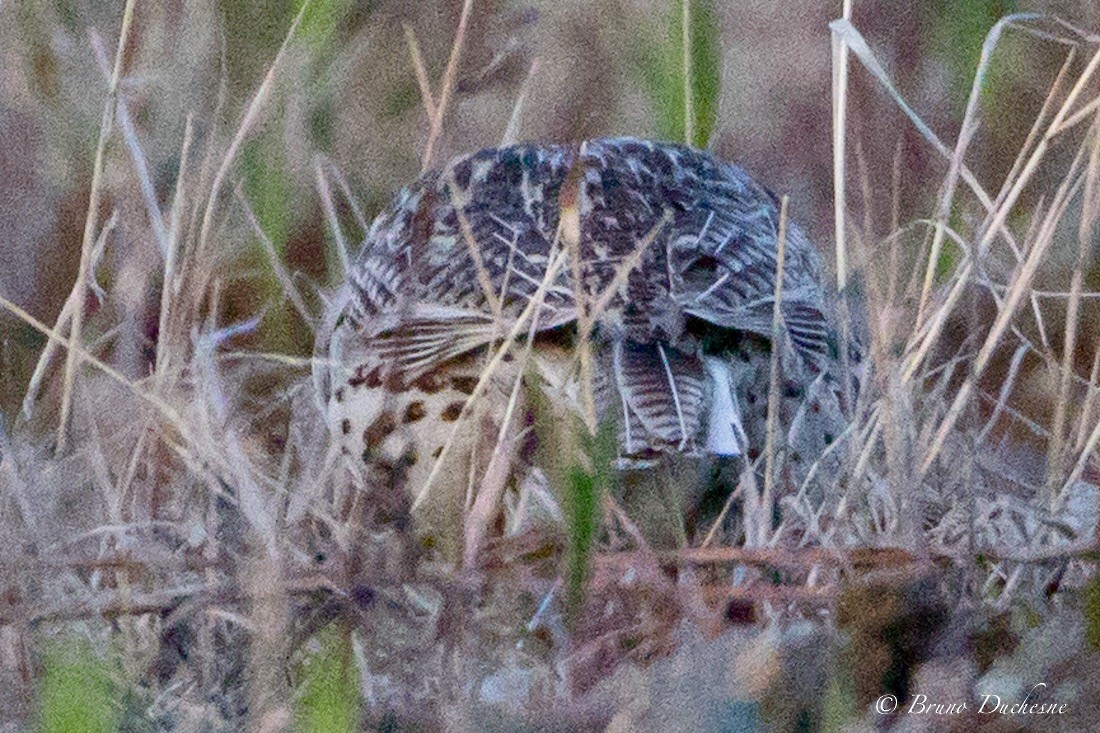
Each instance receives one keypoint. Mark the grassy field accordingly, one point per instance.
(183, 187)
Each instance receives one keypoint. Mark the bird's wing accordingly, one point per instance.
(451, 264)
(734, 286)
(804, 325)
(478, 235)
(427, 335)
(714, 259)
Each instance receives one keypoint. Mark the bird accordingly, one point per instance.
(487, 276)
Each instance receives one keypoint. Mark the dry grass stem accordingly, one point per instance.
(248, 121)
(330, 215)
(426, 97)
(840, 124)
(170, 284)
(447, 86)
(163, 407)
(90, 224)
(1019, 288)
(1085, 239)
(511, 132)
(778, 339)
(287, 283)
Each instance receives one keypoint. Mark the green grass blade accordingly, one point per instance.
(329, 697)
(1092, 613)
(958, 30)
(582, 516)
(582, 491)
(667, 77)
(321, 22)
(77, 693)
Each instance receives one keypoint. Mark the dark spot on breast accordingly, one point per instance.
(437, 452)
(345, 426)
(429, 383)
(339, 394)
(828, 437)
(377, 431)
(508, 358)
(815, 407)
(465, 385)
(414, 412)
(371, 378)
(791, 391)
(451, 412)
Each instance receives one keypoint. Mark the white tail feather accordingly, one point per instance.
(725, 434)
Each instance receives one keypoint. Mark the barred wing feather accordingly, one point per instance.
(662, 389)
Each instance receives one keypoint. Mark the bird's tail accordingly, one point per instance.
(725, 433)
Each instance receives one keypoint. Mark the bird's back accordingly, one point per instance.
(666, 251)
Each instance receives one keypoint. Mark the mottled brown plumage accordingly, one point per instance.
(451, 267)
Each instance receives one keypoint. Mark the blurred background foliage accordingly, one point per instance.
(761, 79)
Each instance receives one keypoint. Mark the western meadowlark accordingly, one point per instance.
(655, 260)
